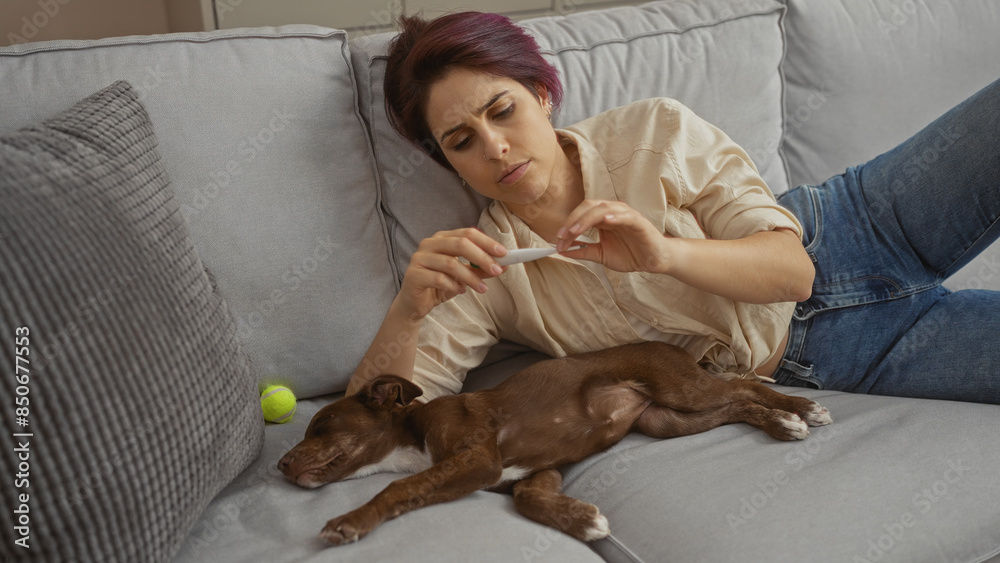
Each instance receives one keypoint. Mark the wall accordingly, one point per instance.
(361, 17)
(38, 20)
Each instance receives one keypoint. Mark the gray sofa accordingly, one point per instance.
(293, 208)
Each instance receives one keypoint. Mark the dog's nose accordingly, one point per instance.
(285, 462)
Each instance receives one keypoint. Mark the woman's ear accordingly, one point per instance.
(543, 95)
(544, 99)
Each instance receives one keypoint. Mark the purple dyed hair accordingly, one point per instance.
(424, 51)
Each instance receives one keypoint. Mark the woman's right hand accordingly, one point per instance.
(436, 274)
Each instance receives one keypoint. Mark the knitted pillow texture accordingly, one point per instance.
(129, 401)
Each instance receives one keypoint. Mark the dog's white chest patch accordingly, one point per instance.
(406, 459)
(514, 473)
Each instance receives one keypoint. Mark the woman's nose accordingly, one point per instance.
(495, 146)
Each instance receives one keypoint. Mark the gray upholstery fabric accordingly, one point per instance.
(143, 403)
(719, 57)
(892, 479)
(272, 169)
(613, 57)
(864, 76)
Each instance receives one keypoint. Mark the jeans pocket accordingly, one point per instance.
(794, 374)
(814, 233)
(804, 202)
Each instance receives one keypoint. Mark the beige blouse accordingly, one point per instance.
(690, 180)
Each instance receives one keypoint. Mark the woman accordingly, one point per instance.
(684, 241)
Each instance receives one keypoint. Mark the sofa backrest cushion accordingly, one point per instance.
(864, 76)
(137, 401)
(261, 137)
(720, 58)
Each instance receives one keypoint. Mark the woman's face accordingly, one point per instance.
(495, 133)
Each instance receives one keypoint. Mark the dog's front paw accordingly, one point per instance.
(817, 415)
(344, 529)
(786, 426)
(597, 530)
(585, 521)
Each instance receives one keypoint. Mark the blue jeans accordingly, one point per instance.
(883, 237)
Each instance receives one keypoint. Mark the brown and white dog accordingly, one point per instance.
(516, 435)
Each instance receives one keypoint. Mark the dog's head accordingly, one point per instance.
(350, 433)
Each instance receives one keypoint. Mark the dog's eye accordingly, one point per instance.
(318, 426)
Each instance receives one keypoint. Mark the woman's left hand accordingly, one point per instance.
(628, 241)
(764, 267)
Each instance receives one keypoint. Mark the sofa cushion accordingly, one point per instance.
(261, 516)
(273, 171)
(863, 77)
(139, 401)
(892, 479)
(720, 58)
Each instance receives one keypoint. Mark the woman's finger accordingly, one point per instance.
(453, 275)
(601, 214)
(481, 239)
(470, 244)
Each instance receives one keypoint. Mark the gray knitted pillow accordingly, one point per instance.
(139, 404)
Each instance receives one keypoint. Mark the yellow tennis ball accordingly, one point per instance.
(278, 404)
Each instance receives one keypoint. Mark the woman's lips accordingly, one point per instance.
(514, 173)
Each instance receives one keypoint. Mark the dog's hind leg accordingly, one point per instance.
(538, 498)
(676, 380)
(663, 422)
(811, 412)
(695, 391)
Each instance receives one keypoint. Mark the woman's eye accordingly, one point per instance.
(461, 144)
(506, 112)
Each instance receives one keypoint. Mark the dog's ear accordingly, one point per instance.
(386, 391)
